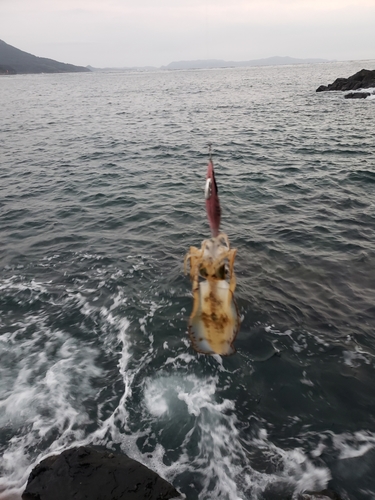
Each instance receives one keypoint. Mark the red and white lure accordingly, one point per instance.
(212, 200)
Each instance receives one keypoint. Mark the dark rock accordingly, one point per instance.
(364, 79)
(357, 95)
(86, 473)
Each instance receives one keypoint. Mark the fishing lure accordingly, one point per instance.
(212, 200)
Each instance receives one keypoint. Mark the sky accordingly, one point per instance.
(125, 33)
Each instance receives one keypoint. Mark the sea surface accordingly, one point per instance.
(102, 194)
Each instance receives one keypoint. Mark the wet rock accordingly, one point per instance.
(87, 473)
(357, 95)
(364, 79)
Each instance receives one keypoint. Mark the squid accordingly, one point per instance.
(214, 321)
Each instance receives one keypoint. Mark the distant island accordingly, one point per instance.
(218, 63)
(110, 69)
(14, 61)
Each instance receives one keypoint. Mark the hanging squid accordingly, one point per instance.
(214, 321)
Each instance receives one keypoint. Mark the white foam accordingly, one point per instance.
(222, 458)
(352, 358)
(155, 400)
(353, 445)
(185, 357)
(298, 345)
(163, 397)
(121, 324)
(111, 429)
(38, 400)
(45, 377)
(370, 90)
(346, 445)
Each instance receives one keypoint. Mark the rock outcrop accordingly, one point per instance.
(357, 95)
(364, 79)
(88, 473)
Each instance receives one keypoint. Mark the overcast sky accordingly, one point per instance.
(156, 32)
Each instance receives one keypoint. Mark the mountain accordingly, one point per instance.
(218, 63)
(14, 61)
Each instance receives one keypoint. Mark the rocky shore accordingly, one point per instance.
(90, 473)
(364, 79)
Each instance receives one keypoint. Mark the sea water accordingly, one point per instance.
(102, 193)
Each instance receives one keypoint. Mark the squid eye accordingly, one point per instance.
(208, 189)
(203, 272)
